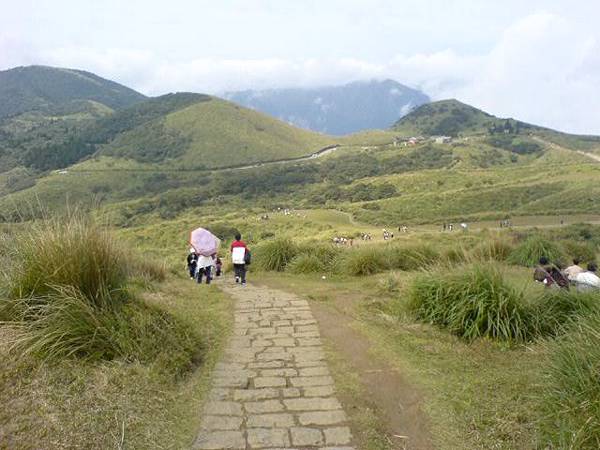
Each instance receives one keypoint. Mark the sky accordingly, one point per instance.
(538, 61)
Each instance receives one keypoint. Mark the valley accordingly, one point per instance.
(424, 339)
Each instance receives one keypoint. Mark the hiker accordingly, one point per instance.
(550, 275)
(204, 264)
(541, 274)
(192, 259)
(572, 271)
(218, 266)
(588, 280)
(239, 257)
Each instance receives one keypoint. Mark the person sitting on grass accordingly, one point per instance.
(238, 258)
(572, 271)
(549, 275)
(588, 280)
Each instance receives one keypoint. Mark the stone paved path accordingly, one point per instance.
(273, 389)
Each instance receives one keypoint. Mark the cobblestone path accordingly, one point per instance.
(273, 388)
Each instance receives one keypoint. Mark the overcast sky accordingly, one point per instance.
(535, 60)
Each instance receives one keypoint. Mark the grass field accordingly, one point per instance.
(472, 393)
(113, 404)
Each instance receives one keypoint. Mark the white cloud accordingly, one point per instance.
(544, 68)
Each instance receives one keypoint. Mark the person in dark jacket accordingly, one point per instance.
(192, 260)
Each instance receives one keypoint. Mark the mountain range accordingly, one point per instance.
(74, 135)
(335, 110)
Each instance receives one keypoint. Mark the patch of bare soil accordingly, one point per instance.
(397, 401)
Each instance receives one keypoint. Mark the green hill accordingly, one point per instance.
(212, 134)
(59, 91)
(453, 118)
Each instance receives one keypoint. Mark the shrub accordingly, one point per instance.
(493, 250)
(276, 254)
(472, 302)
(328, 255)
(455, 255)
(412, 257)
(71, 251)
(68, 298)
(364, 261)
(582, 250)
(306, 264)
(572, 395)
(555, 309)
(529, 252)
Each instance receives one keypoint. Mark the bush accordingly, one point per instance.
(493, 250)
(556, 309)
(276, 254)
(364, 261)
(66, 252)
(532, 249)
(306, 264)
(328, 255)
(572, 395)
(67, 297)
(412, 257)
(472, 302)
(582, 250)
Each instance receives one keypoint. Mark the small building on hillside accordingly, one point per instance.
(442, 139)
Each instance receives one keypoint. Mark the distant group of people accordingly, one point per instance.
(555, 276)
(201, 266)
(338, 240)
(387, 235)
(450, 226)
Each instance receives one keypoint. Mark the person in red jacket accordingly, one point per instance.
(238, 258)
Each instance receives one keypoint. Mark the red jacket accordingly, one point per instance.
(238, 244)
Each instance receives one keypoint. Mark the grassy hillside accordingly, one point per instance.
(52, 90)
(212, 134)
(451, 118)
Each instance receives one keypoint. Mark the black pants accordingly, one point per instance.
(203, 271)
(240, 271)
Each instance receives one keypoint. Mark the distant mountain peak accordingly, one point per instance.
(448, 117)
(44, 89)
(338, 110)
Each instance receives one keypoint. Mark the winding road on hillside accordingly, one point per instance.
(315, 155)
(560, 147)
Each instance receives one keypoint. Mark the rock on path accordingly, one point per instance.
(273, 388)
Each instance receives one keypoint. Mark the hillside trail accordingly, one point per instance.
(560, 147)
(315, 155)
(273, 387)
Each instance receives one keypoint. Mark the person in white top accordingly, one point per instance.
(572, 271)
(588, 280)
(203, 267)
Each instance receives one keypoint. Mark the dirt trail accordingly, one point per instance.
(398, 403)
(560, 147)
